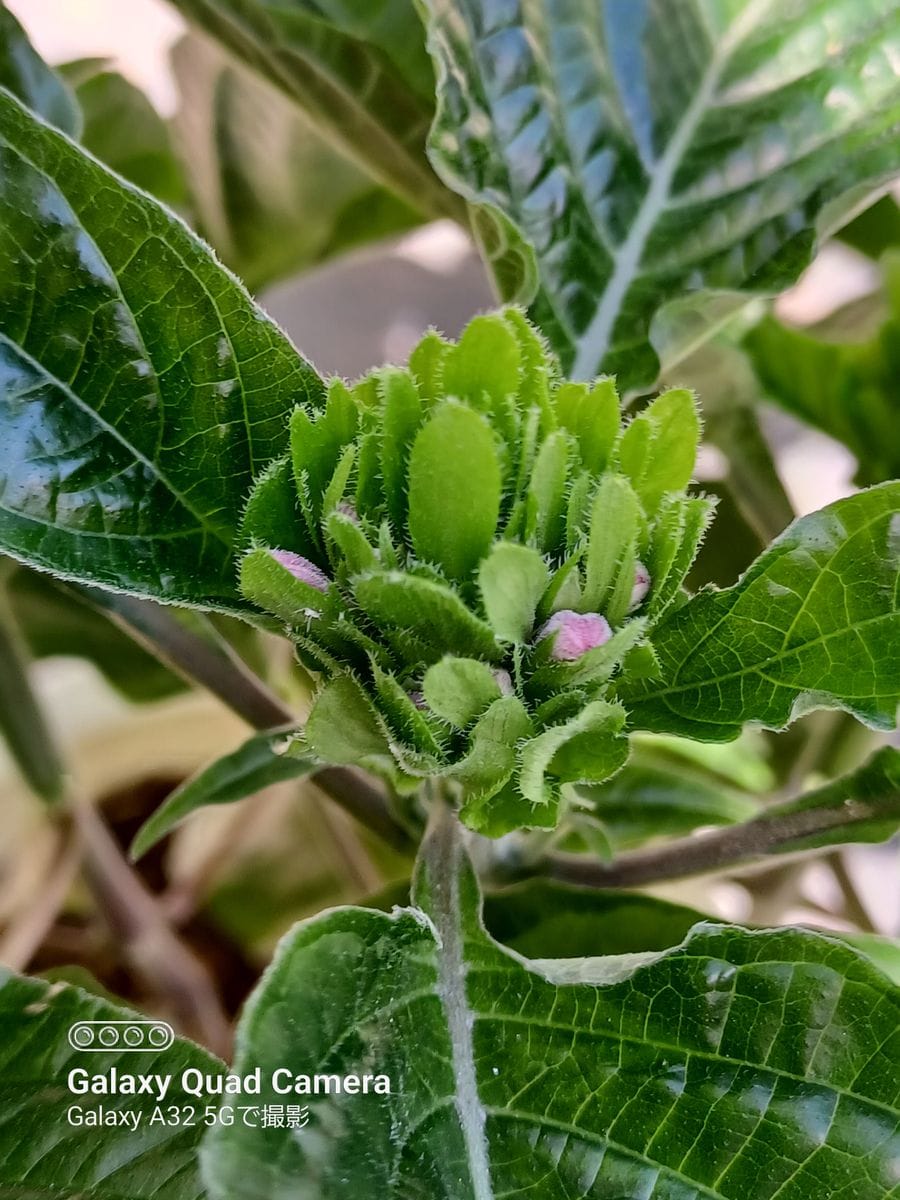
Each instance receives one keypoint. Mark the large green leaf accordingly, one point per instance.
(813, 623)
(27, 76)
(140, 389)
(358, 68)
(848, 389)
(45, 1157)
(270, 191)
(739, 1064)
(642, 150)
(124, 130)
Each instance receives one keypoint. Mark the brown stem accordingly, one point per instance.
(775, 832)
(138, 921)
(25, 934)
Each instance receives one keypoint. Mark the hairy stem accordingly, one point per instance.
(781, 830)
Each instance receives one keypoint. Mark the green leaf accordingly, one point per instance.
(343, 728)
(544, 919)
(884, 952)
(612, 536)
(270, 191)
(24, 73)
(805, 627)
(586, 749)
(642, 152)
(124, 130)
(357, 69)
(737, 1064)
(592, 416)
(454, 490)
(272, 586)
(658, 448)
(647, 800)
(142, 390)
(492, 804)
(512, 580)
(401, 417)
(848, 389)
(42, 1155)
(874, 230)
(257, 764)
(460, 689)
(428, 610)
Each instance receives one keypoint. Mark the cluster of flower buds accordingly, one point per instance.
(470, 553)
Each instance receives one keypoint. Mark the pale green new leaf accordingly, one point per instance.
(641, 150)
(141, 390)
(814, 622)
(677, 1073)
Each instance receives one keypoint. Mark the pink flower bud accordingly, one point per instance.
(504, 682)
(348, 510)
(418, 699)
(301, 568)
(576, 633)
(641, 586)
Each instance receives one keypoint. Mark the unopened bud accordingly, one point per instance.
(641, 586)
(301, 568)
(576, 633)
(347, 509)
(418, 699)
(503, 680)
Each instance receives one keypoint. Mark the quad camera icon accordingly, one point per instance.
(102, 1036)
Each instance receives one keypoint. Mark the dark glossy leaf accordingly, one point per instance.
(807, 626)
(884, 952)
(42, 1155)
(641, 151)
(124, 130)
(140, 389)
(269, 190)
(24, 73)
(739, 1064)
(358, 68)
(260, 762)
(848, 389)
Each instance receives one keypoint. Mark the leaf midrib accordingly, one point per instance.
(592, 346)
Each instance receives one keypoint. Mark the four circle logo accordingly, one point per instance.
(100, 1036)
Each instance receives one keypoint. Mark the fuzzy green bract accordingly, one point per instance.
(471, 553)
